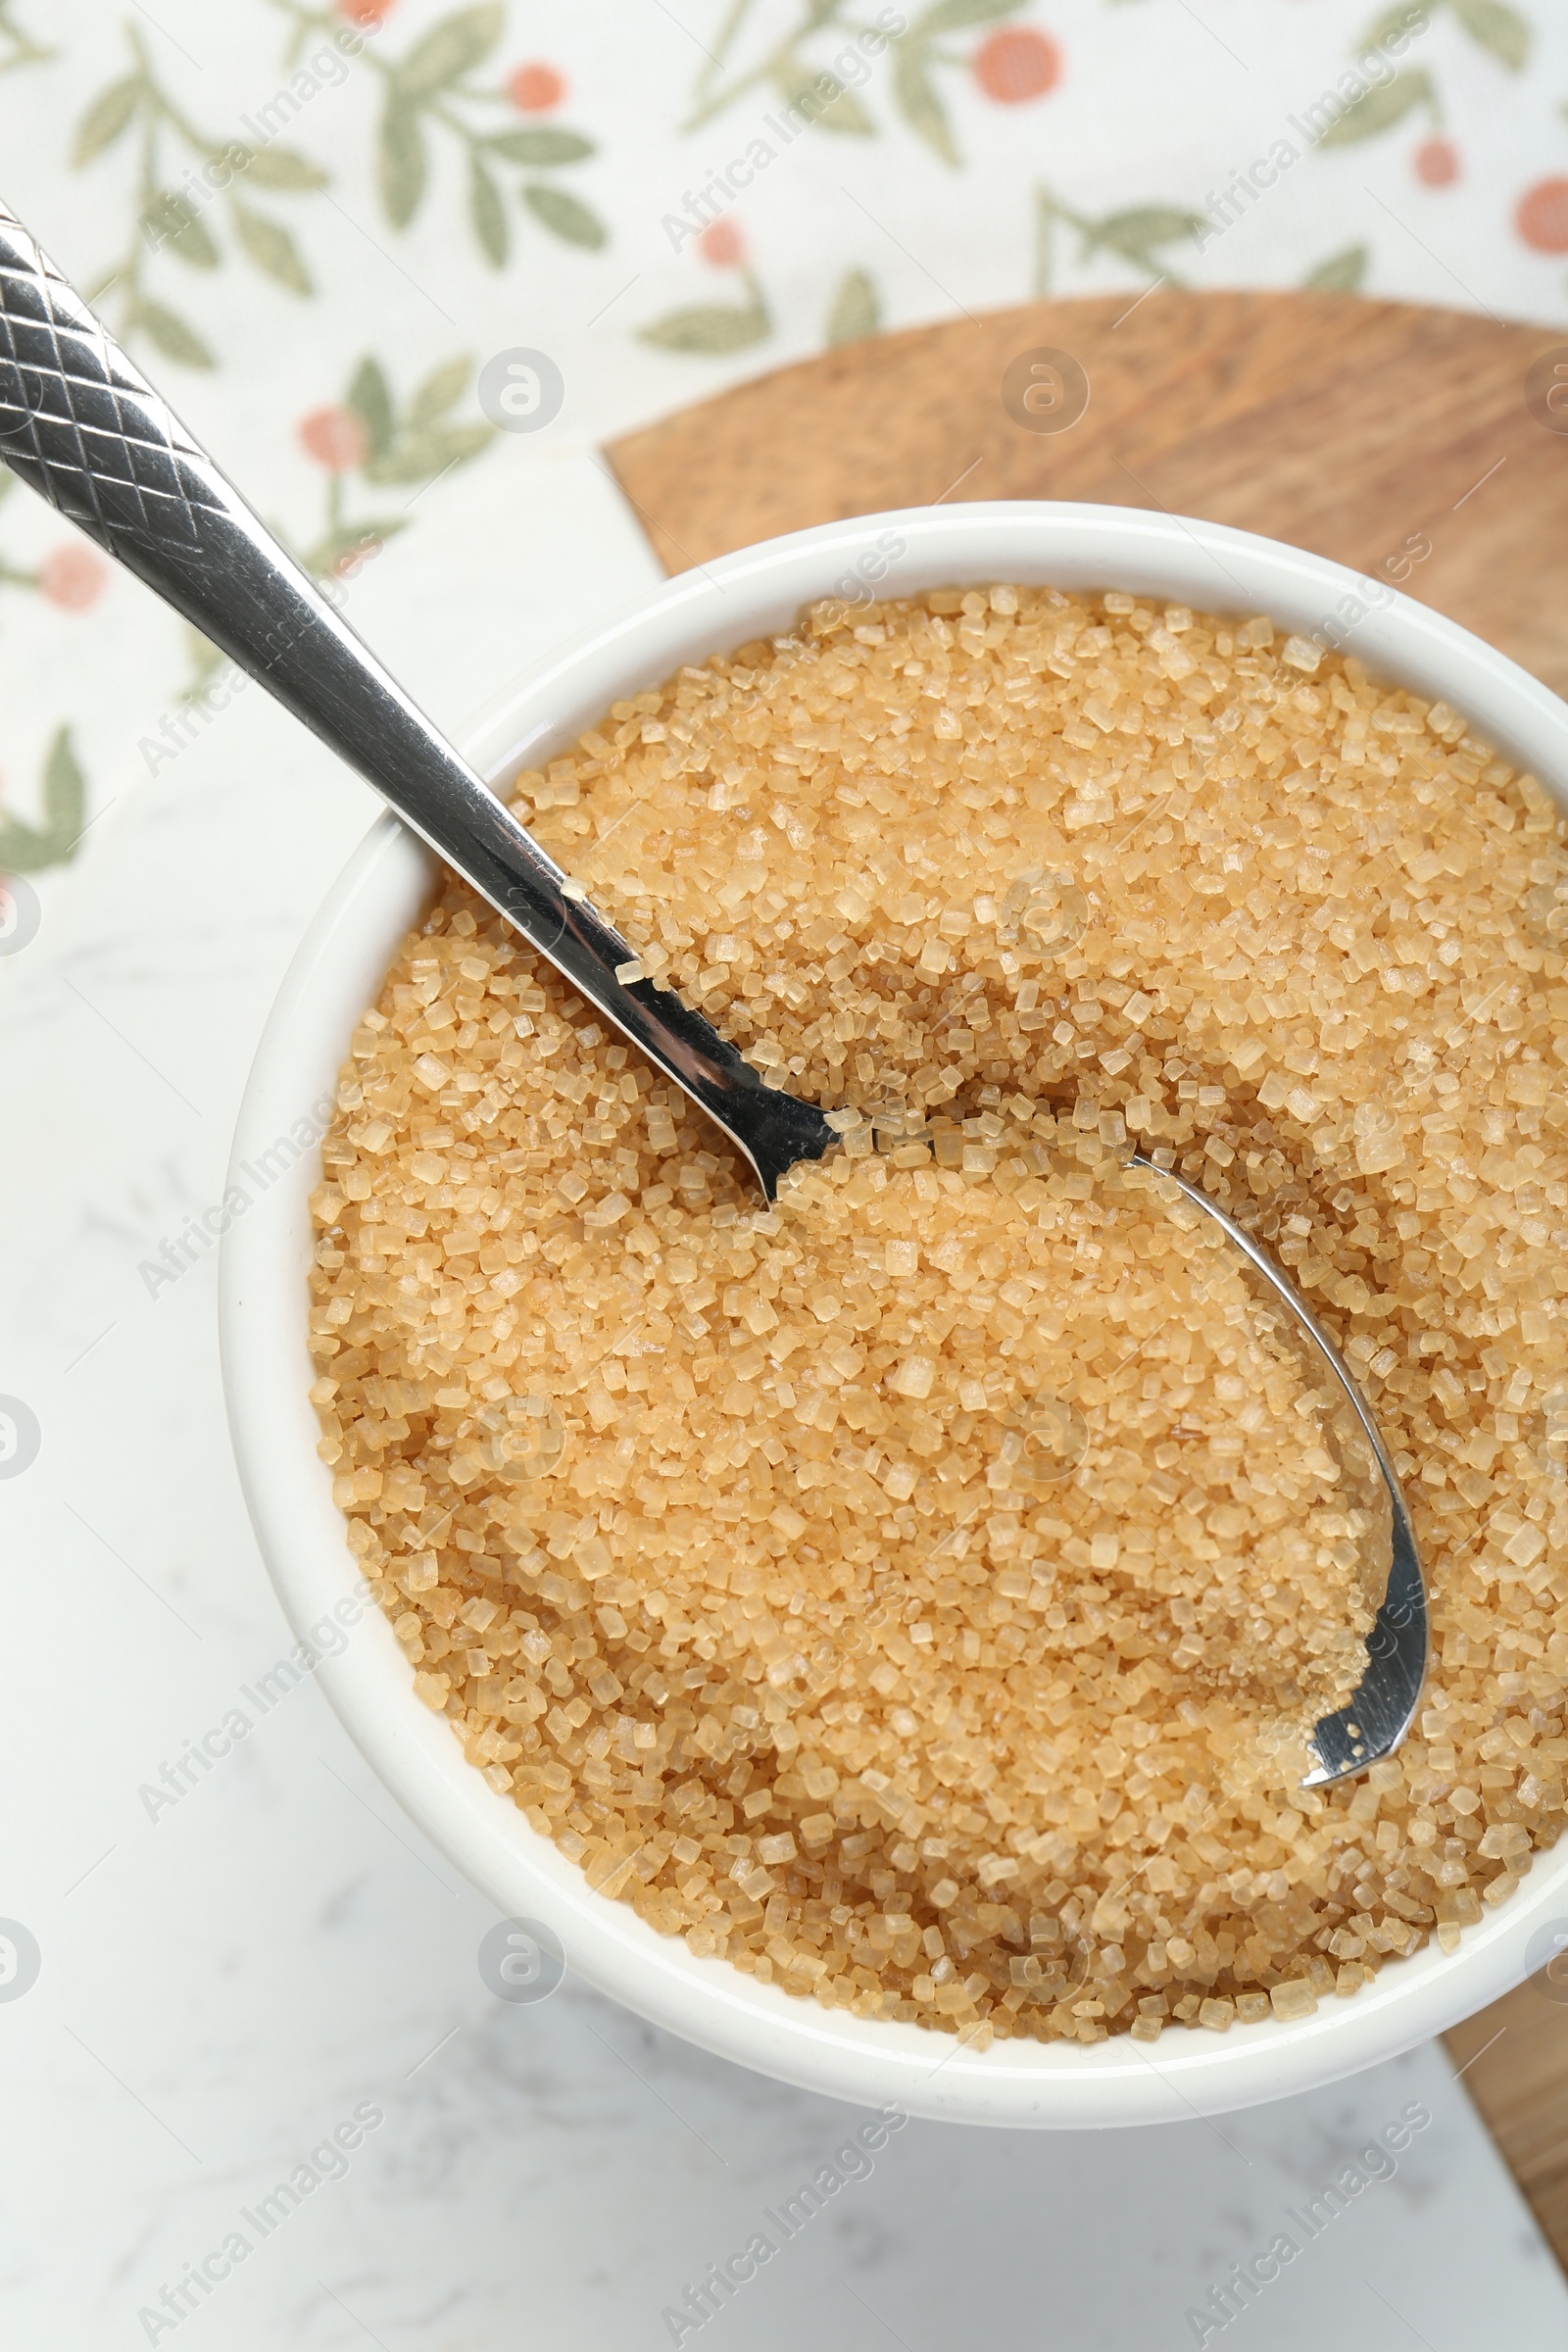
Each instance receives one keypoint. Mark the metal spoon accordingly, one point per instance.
(82, 426)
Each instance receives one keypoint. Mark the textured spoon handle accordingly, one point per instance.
(81, 424)
(85, 427)
(87, 432)
(92, 436)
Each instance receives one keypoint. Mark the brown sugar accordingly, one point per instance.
(918, 1593)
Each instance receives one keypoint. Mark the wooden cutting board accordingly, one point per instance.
(1358, 430)
(1380, 434)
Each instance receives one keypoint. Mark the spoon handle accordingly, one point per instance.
(84, 428)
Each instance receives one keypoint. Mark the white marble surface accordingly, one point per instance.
(221, 1986)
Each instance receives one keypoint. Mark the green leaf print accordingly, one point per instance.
(271, 248)
(369, 396)
(173, 227)
(1383, 106)
(916, 95)
(564, 214)
(27, 848)
(23, 49)
(711, 330)
(173, 337)
(957, 15)
(403, 164)
(488, 212)
(539, 149)
(440, 392)
(450, 50)
(1501, 30)
(855, 310)
(1138, 235)
(1341, 273)
(1393, 19)
(282, 169)
(822, 98)
(106, 118)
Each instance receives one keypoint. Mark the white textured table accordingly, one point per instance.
(227, 1978)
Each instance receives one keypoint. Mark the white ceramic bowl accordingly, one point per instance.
(338, 971)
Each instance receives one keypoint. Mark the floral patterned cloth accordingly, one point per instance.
(314, 221)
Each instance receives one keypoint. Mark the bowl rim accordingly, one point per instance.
(266, 1369)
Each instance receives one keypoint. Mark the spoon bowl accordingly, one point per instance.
(1380, 1711)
